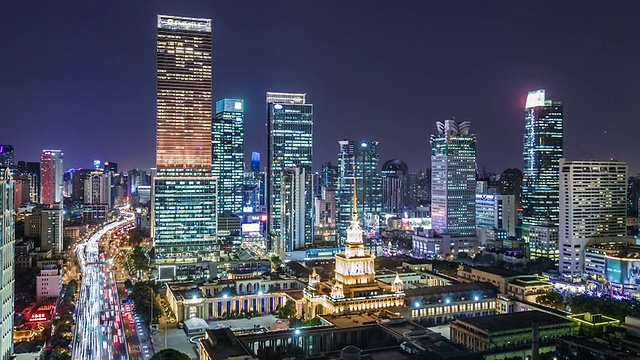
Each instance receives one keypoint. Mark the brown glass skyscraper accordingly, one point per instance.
(183, 143)
(184, 210)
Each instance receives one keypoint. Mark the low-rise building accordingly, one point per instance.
(222, 298)
(48, 283)
(434, 305)
(506, 332)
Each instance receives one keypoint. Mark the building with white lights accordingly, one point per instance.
(48, 283)
(593, 209)
(289, 145)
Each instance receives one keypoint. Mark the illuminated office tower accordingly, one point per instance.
(294, 211)
(364, 157)
(593, 209)
(542, 153)
(453, 179)
(7, 248)
(184, 209)
(289, 144)
(394, 186)
(51, 176)
(227, 144)
(97, 188)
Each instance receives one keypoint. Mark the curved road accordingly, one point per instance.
(98, 332)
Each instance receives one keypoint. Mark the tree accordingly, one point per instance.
(288, 310)
(170, 354)
(551, 299)
(276, 262)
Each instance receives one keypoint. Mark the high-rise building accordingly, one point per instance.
(110, 166)
(543, 241)
(6, 156)
(32, 171)
(51, 176)
(329, 175)
(453, 179)
(184, 204)
(542, 153)
(289, 144)
(419, 189)
(227, 144)
(255, 161)
(495, 212)
(394, 186)
(361, 157)
(7, 248)
(97, 188)
(294, 212)
(593, 208)
(52, 228)
(510, 183)
(183, 55)
(633, 196)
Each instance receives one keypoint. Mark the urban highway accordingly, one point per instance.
(98, 332)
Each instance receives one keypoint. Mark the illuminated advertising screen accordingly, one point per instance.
(623, 271)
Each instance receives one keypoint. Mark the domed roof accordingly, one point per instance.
(395, 165)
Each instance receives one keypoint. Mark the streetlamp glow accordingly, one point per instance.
(260, 293)
(297, 331)
(224, 296)
(447, 301)
(416, 304)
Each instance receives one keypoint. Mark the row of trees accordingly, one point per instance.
(63, 323)
(146, 301)
(615, 308)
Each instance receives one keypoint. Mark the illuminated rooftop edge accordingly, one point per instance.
(184, 23)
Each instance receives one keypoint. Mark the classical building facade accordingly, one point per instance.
(354, 288)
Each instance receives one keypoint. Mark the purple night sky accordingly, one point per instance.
(80, 76)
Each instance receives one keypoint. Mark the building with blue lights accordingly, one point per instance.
(543, 148)
(289, 145)
(227, 157)
(358, 161)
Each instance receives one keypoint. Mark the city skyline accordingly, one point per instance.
(486, 89)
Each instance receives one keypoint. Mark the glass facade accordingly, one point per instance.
(453, 179)
(227, 143)
(542, 153)
(365, 158)
(184, 202)
(185, 222)
(289, 144)
(183, 55)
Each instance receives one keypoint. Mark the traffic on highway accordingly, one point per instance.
(99, 332)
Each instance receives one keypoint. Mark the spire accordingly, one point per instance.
(354, 213)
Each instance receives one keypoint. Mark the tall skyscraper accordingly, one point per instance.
(51, 176)
(363, 157)
(329, 175)
(97, 188)
(394, 186)
(419, 189)
(453, 179)
(542, 153)
(184, 209)
(227, 143)
(593, 208)
(289, 144)
(294, 212)
(7, 248)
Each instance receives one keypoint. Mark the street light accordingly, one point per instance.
(416, 304)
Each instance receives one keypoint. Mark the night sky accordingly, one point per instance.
(80, 76)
